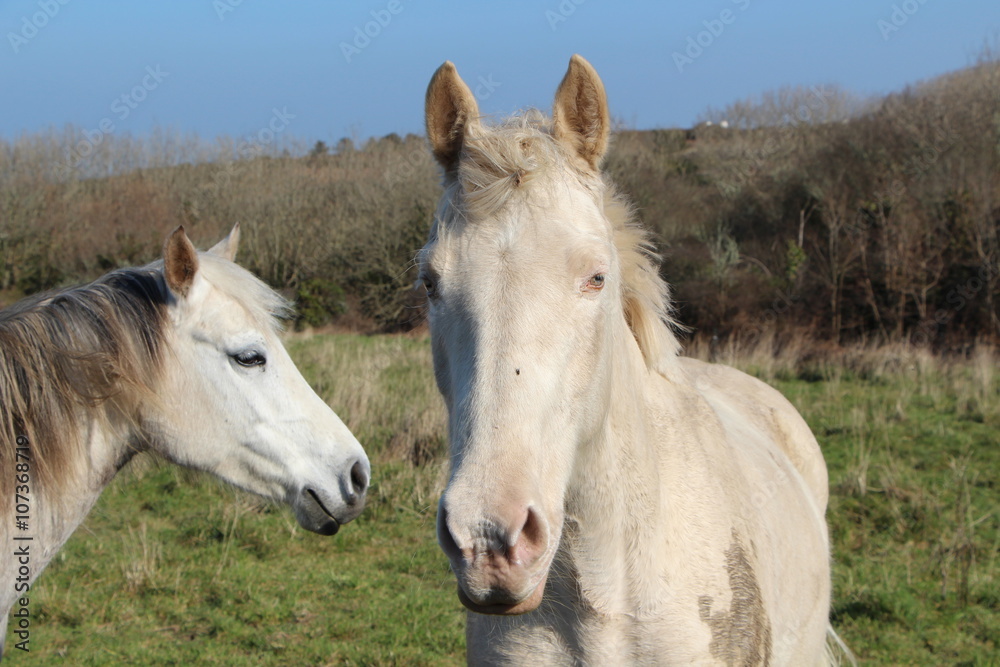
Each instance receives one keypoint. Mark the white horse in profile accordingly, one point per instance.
(609, 502)
(181, 358)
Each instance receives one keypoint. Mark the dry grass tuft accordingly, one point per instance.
(142, 557)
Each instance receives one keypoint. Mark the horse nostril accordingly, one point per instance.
(532, 539)
(359, 479)
(445, 538)
(533, 531)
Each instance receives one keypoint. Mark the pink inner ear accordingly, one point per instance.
(581, 117)
(180, 262)
(450, 109)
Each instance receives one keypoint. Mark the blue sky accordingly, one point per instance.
(222, 67)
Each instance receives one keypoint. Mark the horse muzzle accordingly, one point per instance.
(323, 512)
(500, 570)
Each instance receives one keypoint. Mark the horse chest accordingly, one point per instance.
(589, 618)
(540, 639)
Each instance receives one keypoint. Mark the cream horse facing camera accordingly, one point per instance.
(609, 502)
(181, 358)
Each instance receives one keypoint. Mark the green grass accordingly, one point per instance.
(174, 568)
(914, 473)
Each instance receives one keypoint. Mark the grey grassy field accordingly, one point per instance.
(172, 568)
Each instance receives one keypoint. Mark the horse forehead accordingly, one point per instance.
(524, 267)
(550, 196)
(226, 314)
(563, 204)
(530, 238)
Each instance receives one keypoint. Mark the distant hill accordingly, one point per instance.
(812, 212)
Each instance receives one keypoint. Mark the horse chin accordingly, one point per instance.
(329, 527)
(530, 603)
(313, 515)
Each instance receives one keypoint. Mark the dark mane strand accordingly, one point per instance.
(71, 356)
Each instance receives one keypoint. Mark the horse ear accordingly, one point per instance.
(451, 110)
(580, 118)
(226, 248)
(180, 262)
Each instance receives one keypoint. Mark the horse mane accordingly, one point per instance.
(88, 351)
(501, 162)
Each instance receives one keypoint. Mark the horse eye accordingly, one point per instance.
(249, 359)
(596, 282)
(428, 285)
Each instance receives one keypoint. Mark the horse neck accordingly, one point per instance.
(616, 503)
(57, 510)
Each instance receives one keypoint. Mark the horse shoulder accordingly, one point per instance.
(767, 409)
